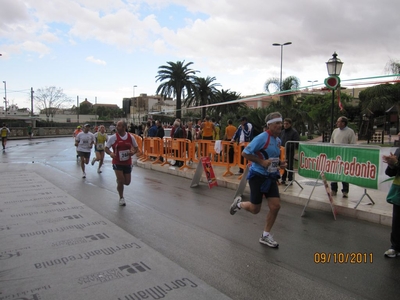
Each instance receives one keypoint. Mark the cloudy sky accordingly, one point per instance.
(102, 48)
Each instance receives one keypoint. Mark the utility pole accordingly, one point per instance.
(5, 96)
(32, 101)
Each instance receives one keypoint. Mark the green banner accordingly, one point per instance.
(359, 166)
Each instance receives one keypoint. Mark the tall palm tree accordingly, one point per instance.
(175, 78)
(225, 96)
(204, 93)
(288, 84)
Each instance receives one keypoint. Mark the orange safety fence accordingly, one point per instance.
(153, 148)
(221, 153)
(177, 150)
(139, 141)
(282, 158)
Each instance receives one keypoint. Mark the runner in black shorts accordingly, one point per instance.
(264, 151)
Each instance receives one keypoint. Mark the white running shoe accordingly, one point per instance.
(122, 202)
(83, 175)
(99, 170)
(93, 160)
(269, 241)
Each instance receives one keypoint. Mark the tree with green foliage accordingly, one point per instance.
(175, 78)
(226, 96)
(204, 93)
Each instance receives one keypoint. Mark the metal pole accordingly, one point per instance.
(5, 97)
(32, 101)
(280, 82)
(332, 109)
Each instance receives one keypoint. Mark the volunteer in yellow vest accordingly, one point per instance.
(4, 133)
(208, 129)
(100, 139)
(217, 130)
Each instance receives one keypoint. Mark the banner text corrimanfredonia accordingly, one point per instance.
(353, 168)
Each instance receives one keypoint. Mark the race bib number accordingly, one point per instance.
(100, 147)
(274, 165)
(124, 155)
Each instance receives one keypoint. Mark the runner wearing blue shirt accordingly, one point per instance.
(263, 151)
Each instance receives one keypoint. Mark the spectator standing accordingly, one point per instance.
(289, 134)
(217, 130)
(244, 133)
(160, 134)
(153, 129)
(208, 129)
(264, 153)
(229, 133)
(393, 197)
(342, 135)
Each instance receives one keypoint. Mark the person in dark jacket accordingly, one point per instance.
(393, 197)
(289, 134)
(152, 130)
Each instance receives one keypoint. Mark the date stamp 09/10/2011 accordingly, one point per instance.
(343, 258)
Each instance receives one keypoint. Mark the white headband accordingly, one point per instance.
(274, 120)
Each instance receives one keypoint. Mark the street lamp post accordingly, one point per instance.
(5, 96)
(281, 45)
(312, 85)
(334, 66)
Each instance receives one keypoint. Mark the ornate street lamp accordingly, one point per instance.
(334, 66)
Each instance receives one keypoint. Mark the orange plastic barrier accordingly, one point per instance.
(177, 150)
(152, 148)
(221, 153)
(139, 141)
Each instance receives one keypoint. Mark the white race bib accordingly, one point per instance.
(124, 155)
(100, 147)
(274, 165)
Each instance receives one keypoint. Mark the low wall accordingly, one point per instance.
(41, 131)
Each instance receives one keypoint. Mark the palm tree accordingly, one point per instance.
(225, 96)
(175, 78)
(203, 93)
(288, 84)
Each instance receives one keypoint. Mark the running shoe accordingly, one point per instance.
(99, 170)
(269, 241)
(234, 207)
(345, 195)
(83, 175)
(122, 202)
(93, 160)
(391, 253)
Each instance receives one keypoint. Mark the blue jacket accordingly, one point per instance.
(248, 134)
(153, 131)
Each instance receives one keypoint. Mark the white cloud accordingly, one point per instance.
(95, 60)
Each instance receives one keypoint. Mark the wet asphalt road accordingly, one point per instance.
(193, 228)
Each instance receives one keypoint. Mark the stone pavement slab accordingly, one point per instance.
(55, 247)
